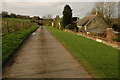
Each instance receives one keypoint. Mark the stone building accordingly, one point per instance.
(92, 23)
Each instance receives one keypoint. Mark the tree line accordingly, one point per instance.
(13, 15)
(5, 14)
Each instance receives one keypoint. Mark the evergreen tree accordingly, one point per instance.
(67, 16)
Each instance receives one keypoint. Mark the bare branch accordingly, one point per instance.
(106, 10)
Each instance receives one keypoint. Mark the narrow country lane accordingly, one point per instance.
(42, 56)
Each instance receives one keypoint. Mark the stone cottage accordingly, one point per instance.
(92, 23)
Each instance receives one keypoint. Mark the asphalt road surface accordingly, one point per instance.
(43, 56)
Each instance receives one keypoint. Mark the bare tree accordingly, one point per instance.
(106, 10)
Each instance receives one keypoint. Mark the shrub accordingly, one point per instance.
(117, 38)
(72, 27)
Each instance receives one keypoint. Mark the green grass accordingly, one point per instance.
(12, 41)
(101, 60)
(10, 25)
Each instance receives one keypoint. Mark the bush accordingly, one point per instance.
(116, 27)
(117, 38)
(72, 27)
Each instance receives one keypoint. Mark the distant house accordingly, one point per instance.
(92, 23)
(56, 22)
(57, 17)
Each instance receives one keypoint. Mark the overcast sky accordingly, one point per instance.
(80, 9)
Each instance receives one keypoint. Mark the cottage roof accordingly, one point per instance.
(85, 21)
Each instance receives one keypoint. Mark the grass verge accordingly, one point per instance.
(101, 60)
(12, 41)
